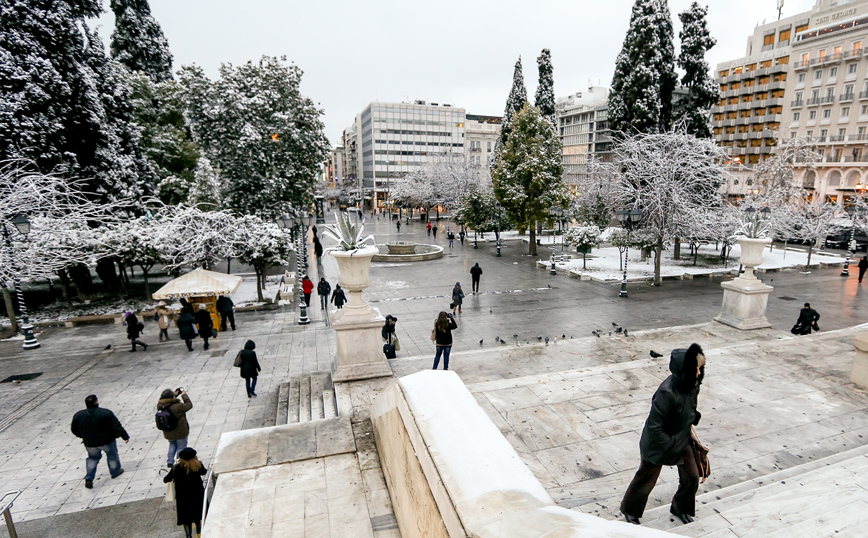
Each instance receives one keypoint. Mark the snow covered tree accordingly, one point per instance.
(516, 100)
(138, 42)
(137, 241)
(544, 99)
(644, 80)
(810, 221)
(197, 238)
(443, 180)
(254, 124)
(262, 244)
(527, 173)
(583, 237)
(594, 198)
(668, 176)
(694, 109)
(479, 210)
(206, 190)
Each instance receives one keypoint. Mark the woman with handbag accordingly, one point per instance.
(666, 438)
(186, 475)
(457, 297)
(134, 329)
(442, 337)
(249, 364)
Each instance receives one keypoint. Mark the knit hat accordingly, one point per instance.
(187, 454)
(167, 394)
(202, 306)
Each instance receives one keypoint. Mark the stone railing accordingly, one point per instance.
(451, 473)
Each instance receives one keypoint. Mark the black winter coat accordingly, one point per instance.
(203, 320)
(185, 326)
(133, 328)
(323, 288)
(249, 363)
(444, 338)
(189, 493)
(338, 297)
(97, 427)
(224, 304)
(667, 431)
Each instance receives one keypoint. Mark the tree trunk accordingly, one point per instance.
(808, 265)
(677, 248)
(695, 255)
(584, 261)
(105, 269)
(145, 271)
(260, 282)
(10, 309)
(532, 249)
(229, 266)
(64, 284)
(658, 258)
(80, 274)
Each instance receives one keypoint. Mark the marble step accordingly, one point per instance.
(306, 398)
(788, 498)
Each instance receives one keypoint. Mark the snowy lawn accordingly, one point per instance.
(604, 263)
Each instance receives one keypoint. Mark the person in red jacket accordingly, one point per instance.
(306, 288)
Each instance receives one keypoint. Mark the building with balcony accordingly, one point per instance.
(481, 133)
(583, 127)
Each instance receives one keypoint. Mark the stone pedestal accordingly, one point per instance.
(357, 325)
(859, 372)
(745, 298)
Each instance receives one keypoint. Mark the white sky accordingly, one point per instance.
(460, 52)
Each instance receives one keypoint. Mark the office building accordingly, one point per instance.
(583, 127)
(481, 133)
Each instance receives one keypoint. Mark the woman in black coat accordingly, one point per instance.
(249, 367)
(186, 327)
(666, 438)
(443, 328)
(189, 490)
(134, 329)
(203, 320)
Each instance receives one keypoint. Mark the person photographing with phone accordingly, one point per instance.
(442, 337)
(171, 419)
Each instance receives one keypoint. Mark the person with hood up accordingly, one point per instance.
(317, 249)
(457, 297)
(666, 438)
(808, 318)
(134, 329)
(249, 367)
(187, 326)
(164, 317)
(177, 437)
(189, 490)
(204, 323)
(338, 296)
(323, 289)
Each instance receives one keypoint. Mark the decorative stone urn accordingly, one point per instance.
(746, 298)
(357, 324)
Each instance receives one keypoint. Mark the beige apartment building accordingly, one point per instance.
(583, 127)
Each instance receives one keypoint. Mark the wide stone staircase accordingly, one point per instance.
(306, 398)
(825, 497)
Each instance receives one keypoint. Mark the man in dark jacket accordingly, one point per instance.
(98, 430)
(203, 321)
(475, 273)
(187, 327)
(177, 436)
(323, 289)
(807, 320)
(227, 314)
(863, 266)
(666, 438)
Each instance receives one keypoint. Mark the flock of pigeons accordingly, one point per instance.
(616, 329)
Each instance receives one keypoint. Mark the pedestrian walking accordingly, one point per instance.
(457, 297)
(807, 320)
(204, 324)
(451, 237)
(323, 289)
(398, 225)
(428, 227)
(164, 318)
(317, 248)
(442, 336)
(306, 288)
(863, 266)
(666, 438)
(226, 309)
(99, 429)
(461, 237)
(338, 296)
(475, 273)
(134, 329)
(390, 345)
(434, 231)
(171, 419)
(249, 367)
(187, 326)
(189, 490)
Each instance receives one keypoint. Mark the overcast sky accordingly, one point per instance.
(461, 52)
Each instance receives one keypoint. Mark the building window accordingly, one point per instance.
(784, 35)
(801, 77)
(796, 116)
(864, 109)
(845, 111)
(805, 57)
(812, 115)
(827, 113)
(851, 68)
(769, 39)
(857, 46)
(833, 72)
(818, 74)
(489, 145)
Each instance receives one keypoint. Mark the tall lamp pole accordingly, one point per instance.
(628, 219)
(23, 226)
(497, 209)
(854, 213)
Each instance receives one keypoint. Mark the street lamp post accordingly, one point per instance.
(23, 226)
(497, 209)
(628, 219)
(556, 213)
(854, 212)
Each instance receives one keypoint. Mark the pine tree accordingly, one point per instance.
(544, 99)
(644, 80)
(528, 175)
(702, 93)
(516, 100)
(138, 42)
(206, 191)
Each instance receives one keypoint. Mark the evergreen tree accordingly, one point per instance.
(702, 93)
(516, 100)
(138, 42)
(527, 174)
(544, 99)
(644, 80)
(206, 191)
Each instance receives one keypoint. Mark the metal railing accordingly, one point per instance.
(210, 484)
(6, 507)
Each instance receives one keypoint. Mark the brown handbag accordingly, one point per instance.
(700, 454)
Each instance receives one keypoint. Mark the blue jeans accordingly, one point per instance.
(174, 448)
(324, 301)
(445, 350)
(250, 382)
(94, 454)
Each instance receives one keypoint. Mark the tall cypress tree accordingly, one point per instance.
(516, 100)
(544, 99)
(702, 93)
(138, 42)
(644, 80)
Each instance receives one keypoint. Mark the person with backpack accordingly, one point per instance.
(390, 345)
(134, 329)
(338, 296)
(189, 490)
(323, 289)
(171, 419)
(249, 367)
